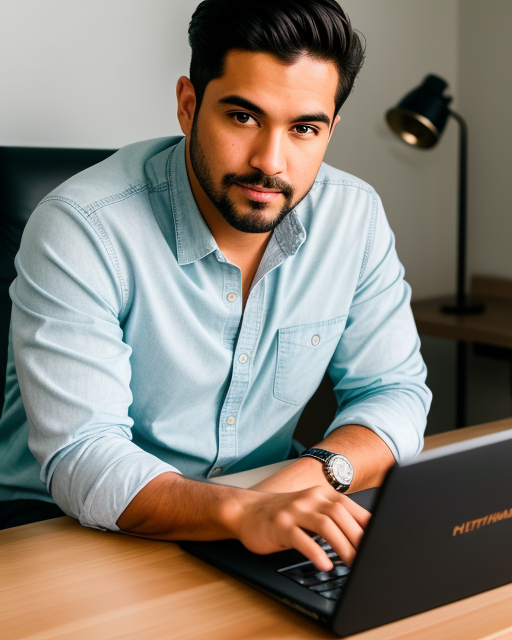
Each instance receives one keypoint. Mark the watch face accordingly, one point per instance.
(342, 470)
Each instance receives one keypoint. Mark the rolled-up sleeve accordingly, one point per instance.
(74, 367)
(377, 369)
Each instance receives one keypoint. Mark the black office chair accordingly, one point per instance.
(27, 174)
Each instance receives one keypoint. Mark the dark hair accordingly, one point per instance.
(284, 28)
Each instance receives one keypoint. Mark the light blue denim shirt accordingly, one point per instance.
(135, 357)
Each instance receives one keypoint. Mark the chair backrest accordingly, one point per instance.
(27, 174)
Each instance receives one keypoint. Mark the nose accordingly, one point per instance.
(269, 153)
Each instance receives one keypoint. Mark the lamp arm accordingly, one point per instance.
(463, 188)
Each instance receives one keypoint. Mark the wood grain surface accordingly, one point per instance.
(493, 326)
(60, 580)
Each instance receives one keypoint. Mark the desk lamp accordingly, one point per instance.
(419, 120)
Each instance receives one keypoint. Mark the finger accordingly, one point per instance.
(301, 541)
(361, 514)
(346, 523)
(330, 532)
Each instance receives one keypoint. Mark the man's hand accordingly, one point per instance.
(275, 522)
(172, 507)
(370, 457)
(274, 515)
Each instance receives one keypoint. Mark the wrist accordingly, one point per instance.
(336, 467)
(303, 473)
(233, 510)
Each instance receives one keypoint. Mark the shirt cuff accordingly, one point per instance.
(396, 420)
(96, 492)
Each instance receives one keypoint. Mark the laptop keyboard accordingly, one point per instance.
(328, 584)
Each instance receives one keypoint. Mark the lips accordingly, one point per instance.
(259, 194)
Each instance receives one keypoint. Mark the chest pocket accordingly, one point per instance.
(303, 354)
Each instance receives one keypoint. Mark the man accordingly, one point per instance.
(177, 305)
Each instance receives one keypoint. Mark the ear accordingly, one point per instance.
(334, 123)
(186, 96)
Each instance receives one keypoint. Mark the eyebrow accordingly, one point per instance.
(250, 106)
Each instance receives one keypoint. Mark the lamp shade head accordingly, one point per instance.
(420, 117)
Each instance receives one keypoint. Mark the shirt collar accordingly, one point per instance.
(194, 239)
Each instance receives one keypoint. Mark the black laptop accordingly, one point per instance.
(441, 531)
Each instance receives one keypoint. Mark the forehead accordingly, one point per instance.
(307, 85)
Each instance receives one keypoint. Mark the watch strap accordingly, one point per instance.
(319, 454)
(324, 456)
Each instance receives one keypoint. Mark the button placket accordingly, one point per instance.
(249, 336)
(231, 295)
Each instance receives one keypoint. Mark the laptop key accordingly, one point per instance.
(323, 576)
(328, 586)
(340, 570)
(305, 581)
(299, 572)
(333, 594)
(322, 542)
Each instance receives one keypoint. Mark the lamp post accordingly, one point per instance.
(419, 120)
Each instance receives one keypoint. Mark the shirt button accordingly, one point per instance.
(230, 420)
(315, 340)
(243, 358)
(232, 297)
(216, 471)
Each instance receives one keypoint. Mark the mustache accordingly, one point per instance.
(259, 180)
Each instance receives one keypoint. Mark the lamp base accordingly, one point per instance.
(468, 307)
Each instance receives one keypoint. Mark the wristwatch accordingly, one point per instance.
(337, 468)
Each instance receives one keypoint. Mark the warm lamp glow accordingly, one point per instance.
(410, 138)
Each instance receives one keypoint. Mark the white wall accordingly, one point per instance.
(485, 61)
(485, 96)
(406, 40)
(91, 73)
(102, 73)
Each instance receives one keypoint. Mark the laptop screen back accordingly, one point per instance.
(442, 531)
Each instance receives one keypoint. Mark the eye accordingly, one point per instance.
(241, 117)
(304, 130)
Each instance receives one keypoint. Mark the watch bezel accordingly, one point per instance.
(327, 459)
(335, 481)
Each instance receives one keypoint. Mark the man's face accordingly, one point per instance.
(260, 135)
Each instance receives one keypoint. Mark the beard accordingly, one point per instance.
(253, 221)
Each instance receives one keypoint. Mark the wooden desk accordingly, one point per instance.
(493, 327)
(59, 580)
